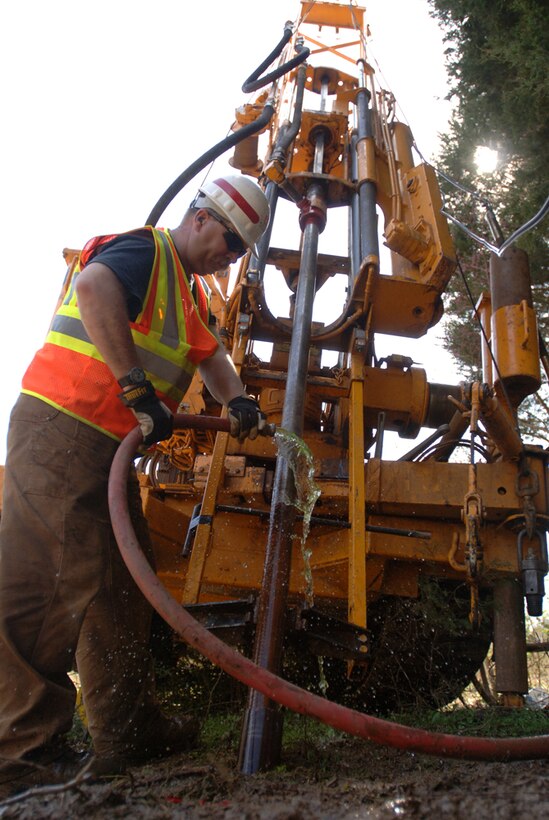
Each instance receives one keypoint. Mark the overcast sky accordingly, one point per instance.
(104, 103)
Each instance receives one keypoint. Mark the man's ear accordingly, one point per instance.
(201, 216)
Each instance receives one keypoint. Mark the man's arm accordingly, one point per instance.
(223, 382)
(102, 306)
(220, 376)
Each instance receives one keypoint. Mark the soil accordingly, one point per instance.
(339, 778)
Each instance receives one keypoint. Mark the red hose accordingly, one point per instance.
(339, 717)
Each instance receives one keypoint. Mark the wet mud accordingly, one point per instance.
(342, 778)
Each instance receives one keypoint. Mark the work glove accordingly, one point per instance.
(155, 419)
(245, 417)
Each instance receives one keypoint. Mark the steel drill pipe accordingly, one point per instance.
(355, 723)
(261, 735)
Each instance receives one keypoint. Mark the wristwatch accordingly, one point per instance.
(136, 376)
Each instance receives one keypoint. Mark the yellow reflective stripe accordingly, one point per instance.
(208, 294)
(162, 348)
(161, 370)
(69, 332)
(70, 342)
(170, 329)
(167, 317)
(181, 279)
(207, 291)
(158, 275)
(70, 296)
(69, 325)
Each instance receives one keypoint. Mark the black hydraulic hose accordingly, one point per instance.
(205, 159)
(241, 668)
(255, 81)
(288, 31)
(251, 84)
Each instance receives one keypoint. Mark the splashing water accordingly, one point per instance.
(322, 680)
(300, 460)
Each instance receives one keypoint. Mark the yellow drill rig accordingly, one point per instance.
(397, 573)
(408, 564)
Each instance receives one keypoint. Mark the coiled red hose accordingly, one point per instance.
(287, 694)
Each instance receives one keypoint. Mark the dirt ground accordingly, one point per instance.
(340, 778)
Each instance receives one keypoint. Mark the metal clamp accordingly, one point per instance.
(472, 517)
(194, 523)
(527, 486)
(522, 488)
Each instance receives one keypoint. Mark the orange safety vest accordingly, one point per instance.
(171, 336)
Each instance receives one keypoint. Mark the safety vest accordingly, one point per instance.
(171, 337)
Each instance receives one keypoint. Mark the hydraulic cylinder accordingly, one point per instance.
(514, 328)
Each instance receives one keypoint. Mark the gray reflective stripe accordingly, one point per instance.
(163, 369)
(70, 326)
(170, 330)
(156, 365)
(70, 292)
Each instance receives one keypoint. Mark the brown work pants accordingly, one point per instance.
(65, 591)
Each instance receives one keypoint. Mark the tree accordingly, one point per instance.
(497, 66)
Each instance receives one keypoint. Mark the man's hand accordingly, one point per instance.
(155, 419)
(246, 418)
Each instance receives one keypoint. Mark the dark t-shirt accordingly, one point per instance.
(131, 258)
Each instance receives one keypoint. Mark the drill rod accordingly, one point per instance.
(262, 730)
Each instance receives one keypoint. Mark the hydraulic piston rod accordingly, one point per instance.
(261, 736)
(366, 190)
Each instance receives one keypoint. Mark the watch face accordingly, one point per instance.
(136, 375)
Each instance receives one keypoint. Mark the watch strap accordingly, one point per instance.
(135, 376)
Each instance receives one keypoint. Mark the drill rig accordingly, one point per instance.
(405, 569)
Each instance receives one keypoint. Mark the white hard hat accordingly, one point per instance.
(240, 202)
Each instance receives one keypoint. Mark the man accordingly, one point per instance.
(123, 345)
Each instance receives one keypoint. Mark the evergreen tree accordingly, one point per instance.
(497, 65)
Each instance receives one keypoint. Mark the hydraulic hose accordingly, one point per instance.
(251, 84)
(379, 731)
(209, 156)
(255, 81)
(289, 132)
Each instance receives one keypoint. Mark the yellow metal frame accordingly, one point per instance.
(432, 513)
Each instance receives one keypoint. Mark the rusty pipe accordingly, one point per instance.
(457, 427)
(499, 425)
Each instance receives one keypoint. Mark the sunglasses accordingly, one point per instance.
(232, 240)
